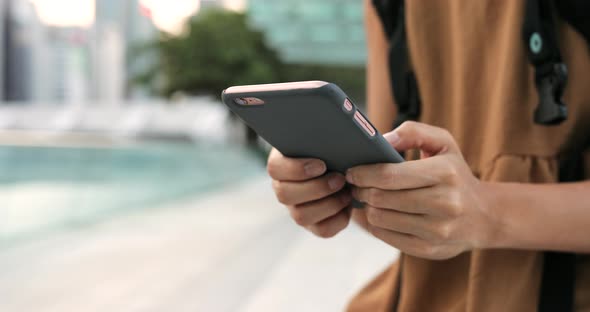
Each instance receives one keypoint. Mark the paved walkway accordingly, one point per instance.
(235, 250)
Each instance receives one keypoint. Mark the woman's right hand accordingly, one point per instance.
(316, 201)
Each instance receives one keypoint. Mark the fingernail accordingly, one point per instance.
(346, 198)
(314, 168)
(391, 137)
(349, 177)
(336, 182)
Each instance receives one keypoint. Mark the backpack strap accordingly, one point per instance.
(577, 14)
(539, 37)
(557, 284)
(559, 268)
(403, 81)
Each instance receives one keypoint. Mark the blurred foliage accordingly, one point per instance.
(221, 49)
(218, 49)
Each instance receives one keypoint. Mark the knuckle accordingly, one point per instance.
(374, 215)
(443, 232)
(449, 173)
(453, 205)
(387, 172)
(407, 128)
(273, 168)
(372, 229)
(408, 125)
(375, 197)
(299, 218)
(280, 192)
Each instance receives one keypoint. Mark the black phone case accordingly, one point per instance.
(312, 122)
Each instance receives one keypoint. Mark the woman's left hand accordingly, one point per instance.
(432, 208)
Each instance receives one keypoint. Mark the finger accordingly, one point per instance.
(407, 175)
(413, 224)
(295, 193)
(408, 244)
(317, 211)
(284, 168)
(331, 226)
(429, 139)
(430, 200)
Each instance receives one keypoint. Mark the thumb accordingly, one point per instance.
(428, 139)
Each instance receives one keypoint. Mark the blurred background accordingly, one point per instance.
(125, 184)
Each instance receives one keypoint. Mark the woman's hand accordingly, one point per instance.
(317, 201)
(430, 208)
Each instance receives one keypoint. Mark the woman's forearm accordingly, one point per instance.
(552, 217)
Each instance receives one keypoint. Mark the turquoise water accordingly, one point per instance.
(45, 188)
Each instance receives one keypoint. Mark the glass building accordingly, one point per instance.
(311, 31)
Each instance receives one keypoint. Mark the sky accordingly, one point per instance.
(167, 15)
(66, 12)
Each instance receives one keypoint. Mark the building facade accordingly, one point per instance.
(311, 31)
(45, 63)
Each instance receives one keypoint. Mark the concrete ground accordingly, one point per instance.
(233, 250)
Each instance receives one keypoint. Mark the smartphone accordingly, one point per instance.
(311, 119)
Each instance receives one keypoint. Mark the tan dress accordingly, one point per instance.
(476, 82)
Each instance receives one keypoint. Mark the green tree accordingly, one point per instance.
(219, 49)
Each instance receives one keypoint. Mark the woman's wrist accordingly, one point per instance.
(495, 198)
(537, 216)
